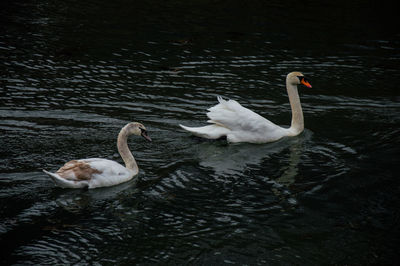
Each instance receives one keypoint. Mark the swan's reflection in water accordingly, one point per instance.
(74, 200)
(233, 160)
(296, 148)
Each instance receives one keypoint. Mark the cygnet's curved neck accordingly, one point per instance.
(297, 125)
(123, 149)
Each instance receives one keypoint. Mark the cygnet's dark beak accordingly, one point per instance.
(144, 135)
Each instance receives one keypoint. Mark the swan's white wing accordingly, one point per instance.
(105, 166)
(244, 124)
(236, 117)
(109, 172)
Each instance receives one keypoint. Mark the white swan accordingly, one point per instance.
(96, 172)
(238, 124)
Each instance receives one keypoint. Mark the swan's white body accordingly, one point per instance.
(238, 124)
(107, 173)
(97, 172)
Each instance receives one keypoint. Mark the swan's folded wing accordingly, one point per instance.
(106, 167)
(232, 115)
(77, 170)
(110, 173)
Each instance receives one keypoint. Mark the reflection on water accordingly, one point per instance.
(233, 159)
(73, 75)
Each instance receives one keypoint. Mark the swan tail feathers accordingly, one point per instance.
(220, 99)
(213, 131)
(64, 183)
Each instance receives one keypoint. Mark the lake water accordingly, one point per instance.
(72, 74)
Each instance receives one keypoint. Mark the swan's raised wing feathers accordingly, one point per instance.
(234, 116)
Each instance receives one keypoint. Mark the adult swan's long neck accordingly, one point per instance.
(123, 149)
(297, 125)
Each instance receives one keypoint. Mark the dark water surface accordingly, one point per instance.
(72, 74)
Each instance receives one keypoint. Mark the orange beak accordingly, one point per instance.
(306, 83)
